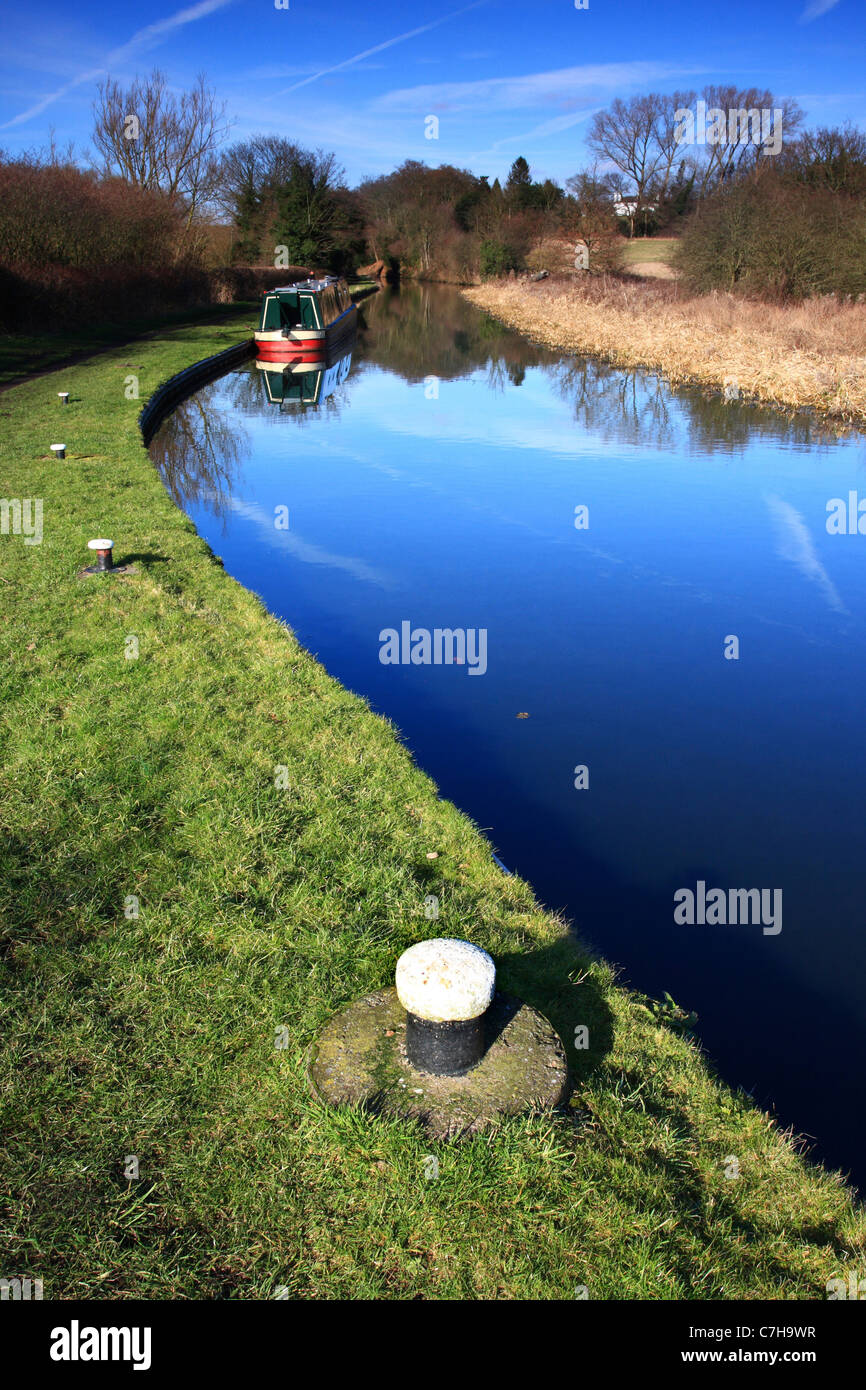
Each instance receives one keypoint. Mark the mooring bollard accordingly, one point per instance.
(444, 1049)
(104, 561)
(59, 451)
(446, 987)
(64, 397)
(103, 550)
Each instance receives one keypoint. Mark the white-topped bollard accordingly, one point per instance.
(59, 451)
(445, 1049)
(103, 550)
(64, 397)
(446, 987)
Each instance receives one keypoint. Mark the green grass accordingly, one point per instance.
(22, 354)
(636, 250)
(154, 1036)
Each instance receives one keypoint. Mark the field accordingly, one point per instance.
(23, 355)
(650, 256)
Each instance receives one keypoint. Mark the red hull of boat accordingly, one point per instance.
(286, 352)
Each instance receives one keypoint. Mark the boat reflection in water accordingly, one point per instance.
(306, 383)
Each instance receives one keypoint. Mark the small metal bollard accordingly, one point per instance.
(103, 550)
(104, 561)
(64, 397)
(446, 987)
(59, 451)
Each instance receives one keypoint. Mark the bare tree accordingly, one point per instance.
(157, 140)
(646, 142)
(829, 157)
(252, 168)
(638, 138)
(588, 216)
(747, 116)
(667, 138)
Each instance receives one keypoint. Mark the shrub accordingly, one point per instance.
(76, 248)
(60, 215)
(497, 258)
(34, 298)
(770, 236)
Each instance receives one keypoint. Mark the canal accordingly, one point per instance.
(660, 696)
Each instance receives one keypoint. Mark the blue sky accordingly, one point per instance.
(503, 78)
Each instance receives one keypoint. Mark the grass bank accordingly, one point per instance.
(22, 355)
(153, 778)
(809, 355)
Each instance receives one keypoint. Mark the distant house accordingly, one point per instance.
(627, 207)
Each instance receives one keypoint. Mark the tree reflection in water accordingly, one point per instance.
(423, 331)
(418, 331)
(198, 451)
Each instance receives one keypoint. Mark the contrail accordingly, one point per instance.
(796, 545)
(141, 39)
(368, 52)
(816, 9)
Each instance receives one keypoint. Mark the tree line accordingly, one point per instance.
(759, 203)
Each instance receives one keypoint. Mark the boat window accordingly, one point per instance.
(278, 312)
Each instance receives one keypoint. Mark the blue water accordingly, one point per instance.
(450, 503)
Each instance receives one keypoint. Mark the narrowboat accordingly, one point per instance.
(298, 321)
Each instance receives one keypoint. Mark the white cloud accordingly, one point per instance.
(306, 551)
(141, 40)
(563, 86)
(538, 132)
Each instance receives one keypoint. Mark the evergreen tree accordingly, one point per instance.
(519, 178)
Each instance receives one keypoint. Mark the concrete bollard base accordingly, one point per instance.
(111, 569)
(361, 1059)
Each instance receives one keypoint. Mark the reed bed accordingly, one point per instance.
(811, 355)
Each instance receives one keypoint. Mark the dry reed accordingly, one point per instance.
(806, 355)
